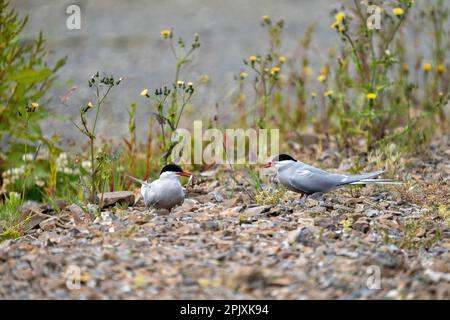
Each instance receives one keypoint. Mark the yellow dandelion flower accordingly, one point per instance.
(427, 67)
(35, 105)
(180, 83)
(282, 59)
(340, 16)
(371, 96)
(166, 33)
(275, 70)
(265, 18)
(243, 75)
(313, 94)
(90, 105)
(328, 93)
(398, 11)
(325, 70)
(144, 92)
(440, 68)
(322, 78)
(307, 71)
(335, 25)
(204, 78)
(190, 84)
(252, 58)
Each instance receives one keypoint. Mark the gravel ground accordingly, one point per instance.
(219, 244)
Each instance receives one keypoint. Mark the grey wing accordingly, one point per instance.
(312, 180)
(149, 194)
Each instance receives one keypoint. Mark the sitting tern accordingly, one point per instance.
(167, 191)
(302, 178)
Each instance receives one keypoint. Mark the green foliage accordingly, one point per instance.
(171, 102)
(102, 87)
(25, 77)
(9, 217)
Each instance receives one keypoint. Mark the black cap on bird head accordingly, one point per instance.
(283, 157)
(175, 168)
(278, 158)
(172, 168)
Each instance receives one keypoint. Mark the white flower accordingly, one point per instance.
(68, 171)
(86, 165)
(28, 157)
(61, 161)
(40, 183)
(14, 195)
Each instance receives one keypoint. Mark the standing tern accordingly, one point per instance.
(167, 191)
(305, 179)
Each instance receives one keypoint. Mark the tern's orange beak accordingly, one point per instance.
(268, 165)
(184, 174)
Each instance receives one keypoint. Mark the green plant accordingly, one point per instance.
(267, 69)
(10, 217)
(102, 88)
(25, 78)
(179, 96)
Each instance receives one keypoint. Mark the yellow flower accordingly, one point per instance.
(307, 71)
(204, 78)
(341, 29)
(440, 68)
(340, 16)
(282, 59)
(180, 83)
(398, 11)
(427, 67)
(275, 70)
(322, 78)
(90, 105)
(313, 94)
(166, 33)
(335, 25)
(35, 105)
(371, 96)
(325, 70)
(252, 58)
(265, 18)
(243, 75)
(144, 93)
(328, 93)
(190, 84)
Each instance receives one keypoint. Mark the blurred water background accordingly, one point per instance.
(122, 37)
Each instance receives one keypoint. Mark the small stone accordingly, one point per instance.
(302, 235)
(362, 224)
(323, 222)
(316, 210)
(48, 224)
(255, 211)
(36, 219)
(210, 225)
(372, 213)
(124, 198)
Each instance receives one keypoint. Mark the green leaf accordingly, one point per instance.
(29, 76)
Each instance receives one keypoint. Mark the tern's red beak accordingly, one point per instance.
(184, 174)
(268, 165)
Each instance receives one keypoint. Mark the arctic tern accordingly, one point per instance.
(302, 178)
(167, 191)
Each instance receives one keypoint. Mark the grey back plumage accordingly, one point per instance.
(303, 178)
